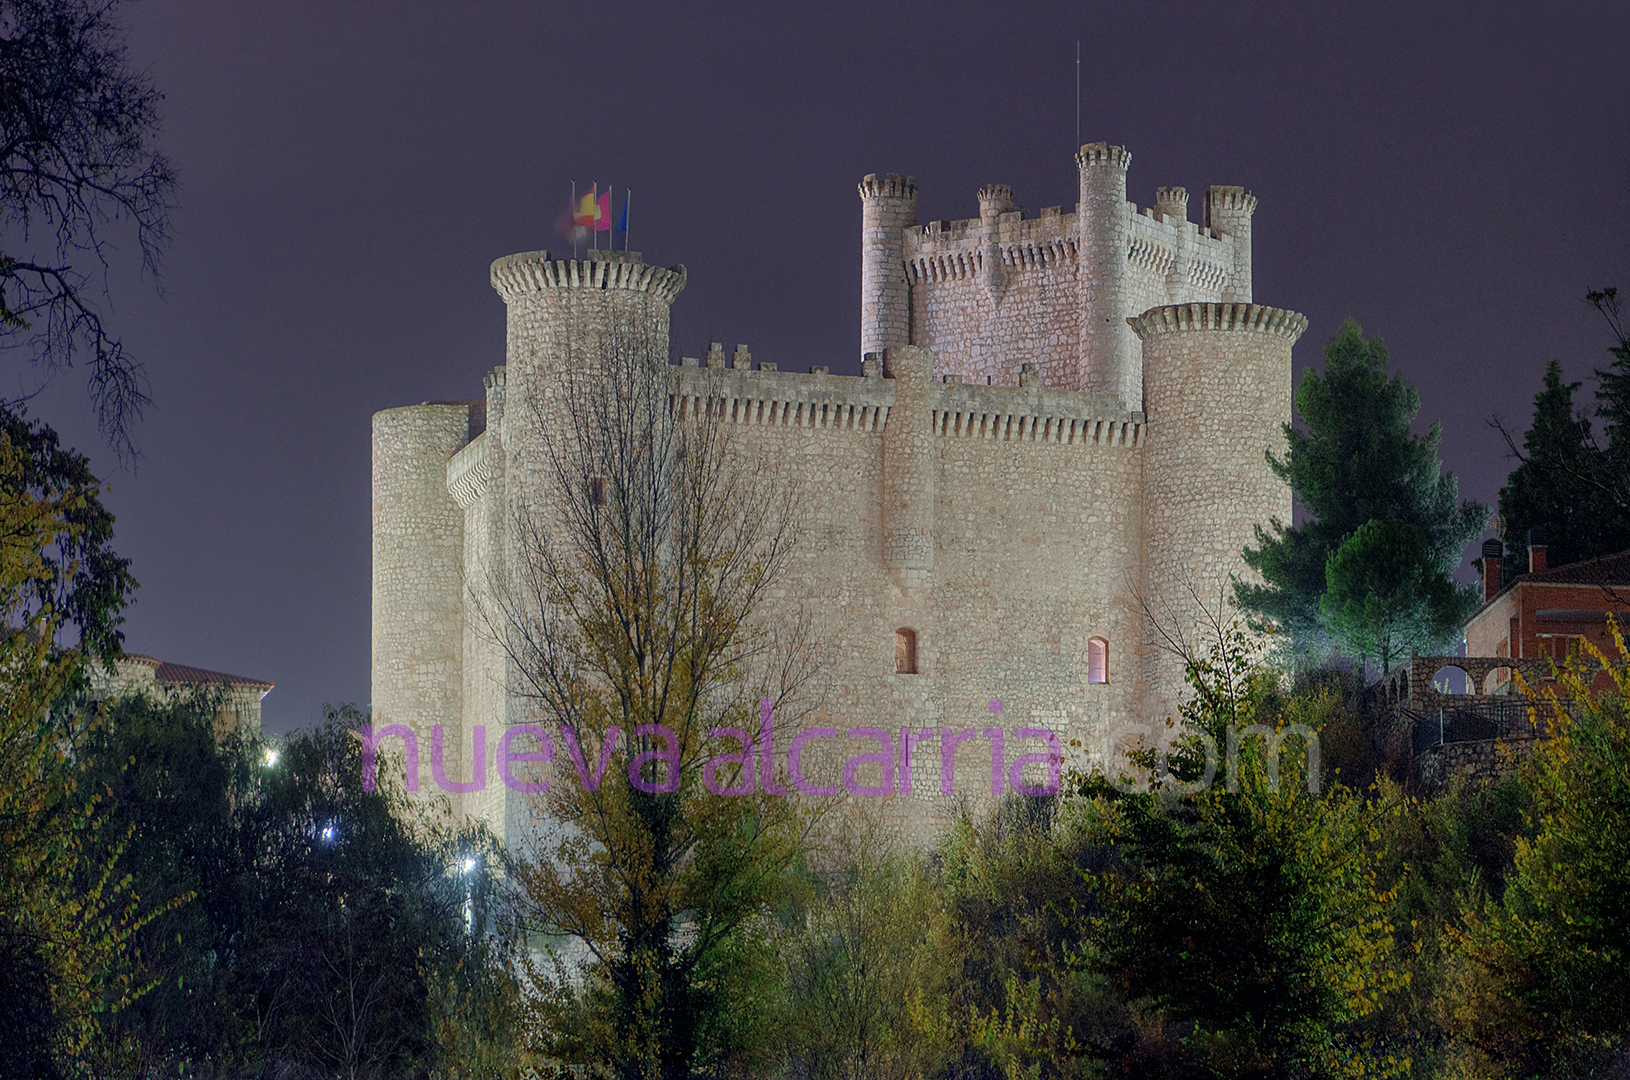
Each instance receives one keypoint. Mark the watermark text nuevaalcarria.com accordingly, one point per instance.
(749, 764)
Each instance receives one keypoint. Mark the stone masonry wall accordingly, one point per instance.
(1035, 524)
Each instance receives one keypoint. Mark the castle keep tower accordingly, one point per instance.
(994, 293)
(1059, 419)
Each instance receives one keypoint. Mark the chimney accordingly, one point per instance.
(1536, 551)
(1492, 550)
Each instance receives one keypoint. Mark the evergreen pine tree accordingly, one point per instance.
(1551, 492)
(1356, 463)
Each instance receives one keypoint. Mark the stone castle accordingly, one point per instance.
(1060, 425)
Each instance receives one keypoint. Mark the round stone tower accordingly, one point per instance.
(1228, 213)
(418, 588)
(568, 317)
(1109, 352)
(888, 205)
(1218, 380)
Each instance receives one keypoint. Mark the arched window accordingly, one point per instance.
(1097, 660)
(905, 652)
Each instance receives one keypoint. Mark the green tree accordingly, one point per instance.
(1243, 902)
(76, 160)
(1613, 392)
(327, 928)
(1357, 462)
(1386, 594)
(868, 951)
(1552, 493)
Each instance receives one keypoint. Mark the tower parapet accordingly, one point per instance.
(888, 208)
(1172, 203)
(1228, 214)
(1108, 353)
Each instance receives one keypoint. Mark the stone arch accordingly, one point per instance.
(1496, 679)
(1451, 679)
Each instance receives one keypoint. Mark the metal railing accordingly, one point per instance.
(1473, 721)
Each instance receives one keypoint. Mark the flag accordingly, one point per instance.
(622, 222)
(584, 213)
(602, 213)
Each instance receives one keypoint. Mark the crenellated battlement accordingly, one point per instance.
(1225, 199)
(1103, 154)
(538, 271)
(891, 186)
(1032, 414)
(819, 400)
(1172, 202)
(1182, 318)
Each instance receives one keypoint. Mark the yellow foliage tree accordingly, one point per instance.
(64, 924)
(1537, 981)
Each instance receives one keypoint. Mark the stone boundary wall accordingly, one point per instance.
(1484, 759)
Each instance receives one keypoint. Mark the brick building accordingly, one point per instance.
(1547, 611)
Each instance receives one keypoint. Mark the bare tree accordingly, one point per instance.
(76, 156)
(637, 609)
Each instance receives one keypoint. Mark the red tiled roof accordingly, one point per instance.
(182, 675)
(1605, 570)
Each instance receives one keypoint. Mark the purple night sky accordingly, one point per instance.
(1453, 176)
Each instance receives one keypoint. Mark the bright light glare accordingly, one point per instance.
(328, 832)
(271, 757)
(469, 864)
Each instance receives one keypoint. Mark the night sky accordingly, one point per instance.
(1454, 177)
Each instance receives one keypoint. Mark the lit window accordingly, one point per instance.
(905, 652)
(1097, 660)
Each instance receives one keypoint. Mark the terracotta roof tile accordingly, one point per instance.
(1604, 570)
(182, 675)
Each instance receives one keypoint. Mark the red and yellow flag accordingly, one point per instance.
(586, 211)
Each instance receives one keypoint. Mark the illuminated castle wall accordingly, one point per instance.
(1060, 419)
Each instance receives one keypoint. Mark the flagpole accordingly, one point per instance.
(628, 197)
(571, 217)
(594, 218)
(1077, 145)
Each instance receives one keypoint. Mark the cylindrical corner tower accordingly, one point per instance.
(1109, 355)
(418, 585)
(1218, 380)
(1228, 213)
(888, 205)
(569, 318)
(570, 315)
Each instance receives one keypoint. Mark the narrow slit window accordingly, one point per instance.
(1097, 660)
(905, 652)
